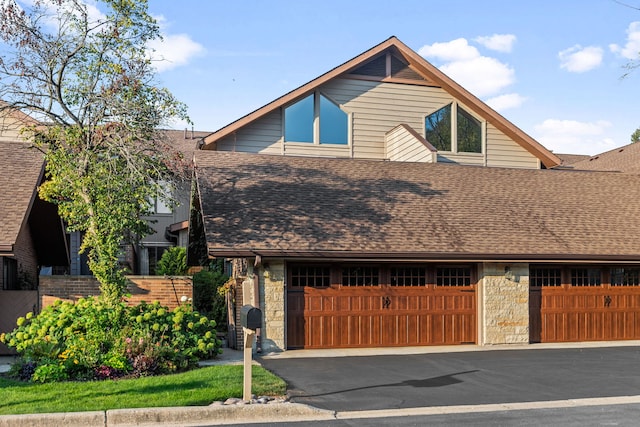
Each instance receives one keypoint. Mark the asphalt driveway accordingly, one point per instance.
(355, 383)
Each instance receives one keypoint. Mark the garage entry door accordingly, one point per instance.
(380, 306)
(584, 304)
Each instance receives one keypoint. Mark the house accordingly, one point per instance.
(169, 224)
(621, 159)
(31, 233)
(352, 213)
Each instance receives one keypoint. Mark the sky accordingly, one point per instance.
(552, 67)
(557, 69)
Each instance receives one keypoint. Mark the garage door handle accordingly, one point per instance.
(607, 300)
(386, 302)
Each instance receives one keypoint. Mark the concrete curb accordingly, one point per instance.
(89, 419)
(174, 416)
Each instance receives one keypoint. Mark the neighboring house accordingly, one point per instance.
(31, 232)
(363, 228)
(621, 159)
(170, 224)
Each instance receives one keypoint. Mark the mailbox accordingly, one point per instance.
(250, 317)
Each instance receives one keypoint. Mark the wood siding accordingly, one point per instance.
(375, 108)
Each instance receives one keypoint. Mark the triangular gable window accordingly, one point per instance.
(316, 119)
(462, 134)
(387, 65)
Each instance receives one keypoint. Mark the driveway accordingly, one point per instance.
(356, 383)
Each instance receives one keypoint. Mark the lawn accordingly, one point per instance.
(198, 387)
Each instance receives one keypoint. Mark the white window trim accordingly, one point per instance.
(454, 129)
(316, 121)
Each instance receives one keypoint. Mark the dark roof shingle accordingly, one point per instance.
(337, 207)
(21, 169)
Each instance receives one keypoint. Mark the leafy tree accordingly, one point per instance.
(635, 136)
(173, 262)
(85, 74)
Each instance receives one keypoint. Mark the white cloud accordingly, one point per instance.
(455, 50)
(504, 102)
(499, 42)
(574, 137)
(481, 75)
(173, 51)
(577, 59)
(631, 49)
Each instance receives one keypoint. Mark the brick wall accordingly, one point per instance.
(168, 291)
(25, 253)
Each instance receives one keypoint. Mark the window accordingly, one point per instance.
(545, 277)
(10, 277)
(409, 276)
(313, 276)
(453, 276)
(158, 203)
(316, 119)
(585, 277)
(625, 277)
(360, 276)
(462, 135)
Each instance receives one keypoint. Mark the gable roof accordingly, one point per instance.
(421, 66)
(21, 170)
(364, 209)
(621, 159)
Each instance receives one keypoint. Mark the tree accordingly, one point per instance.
(86, 76)
(635, 136)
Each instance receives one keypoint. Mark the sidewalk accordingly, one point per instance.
(217, 414)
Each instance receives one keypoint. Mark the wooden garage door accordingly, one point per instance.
(374, 307)
(585, 304)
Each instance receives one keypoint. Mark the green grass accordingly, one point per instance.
(198, 387)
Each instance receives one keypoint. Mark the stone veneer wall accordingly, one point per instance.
(272, 304)
(168, 291)
(504, 313)
(272, 301)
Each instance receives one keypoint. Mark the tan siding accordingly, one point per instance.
(461, 158)
(263, 136)
(375, 109)
(379, 107)
(9, 129)
(504, 152)
(327, 150)
(402, 146)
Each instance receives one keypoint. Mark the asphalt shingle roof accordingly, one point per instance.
(20, 171)
(291, 206)
(622, 159)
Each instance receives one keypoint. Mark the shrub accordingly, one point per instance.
(173, 262)
(206, 295)
(90, 340)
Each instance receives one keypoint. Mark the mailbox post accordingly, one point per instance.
(250, 319)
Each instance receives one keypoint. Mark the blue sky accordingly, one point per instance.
(552, 67)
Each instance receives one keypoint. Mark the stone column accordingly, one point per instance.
(504, 300)
(272, 298)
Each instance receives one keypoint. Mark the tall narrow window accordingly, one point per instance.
(298, 121)
(316, 119)
(454, 129)
(469, 132)
(333, 123)
(438, 129)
